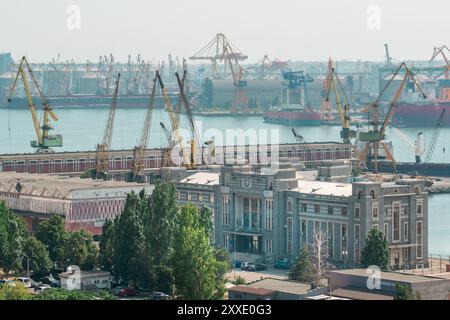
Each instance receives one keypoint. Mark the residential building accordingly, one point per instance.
(86, 280)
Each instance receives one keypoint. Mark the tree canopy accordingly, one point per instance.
(376, 251)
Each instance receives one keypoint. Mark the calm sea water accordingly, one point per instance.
(82, 129)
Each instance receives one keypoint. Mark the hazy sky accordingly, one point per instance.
(285, 29)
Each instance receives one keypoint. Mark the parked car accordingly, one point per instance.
(26, 282)
(159, 296)
(244, 265)
(283, 264)
(255, 267)
(41, 288)
(127, 292)
(50, 281)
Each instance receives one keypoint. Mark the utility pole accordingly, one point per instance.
(28, 264)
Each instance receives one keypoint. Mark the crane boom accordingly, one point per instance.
(44, 140)
(434, 138)
(139, 150)
(102, 152)
(173, 120)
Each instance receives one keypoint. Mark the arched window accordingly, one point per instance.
(417, 190)
(372, 194)
(360, 194)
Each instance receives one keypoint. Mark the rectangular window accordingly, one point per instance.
(269, 215)
(357, 247)
(375, 226)
(211, 198)
(405, 231)
(316, 208)
(189, 196)
(290, 230)
(226, 240)
(330, 210)
(405, 254)
(396, 223)
(419, 208)
(386, 231)
(357, 209)
(375, 211)
(343, 211)
(290, 204)
(269, 246)
(226, 210)
(303, 207)
(419, 249)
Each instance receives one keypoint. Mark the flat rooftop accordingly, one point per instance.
(203, 178)
(324, 188)
(385, 275)
(56, 185)
(287, 286)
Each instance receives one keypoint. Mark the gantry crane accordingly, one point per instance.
(374, 138)
(344, 112)
(102, 149)
(175, 125)
(139, 151)
(44, 141)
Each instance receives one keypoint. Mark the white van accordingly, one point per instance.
(26, 282)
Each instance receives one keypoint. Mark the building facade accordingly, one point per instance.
(265, 214)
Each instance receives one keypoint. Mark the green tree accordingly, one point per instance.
(17, 292)
(239, 281)
(403, 292)
(130, 253)
(376, 251)
(53, 235)
(80, 250)
(302, 269)
(107, 245)
(195, 267)
(13, 235)
(36, 251)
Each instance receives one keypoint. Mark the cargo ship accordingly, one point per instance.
(293, 117)
(425, 113)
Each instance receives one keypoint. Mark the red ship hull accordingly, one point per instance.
(423, 115)
(296, 118)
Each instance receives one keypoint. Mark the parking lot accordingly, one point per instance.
(251, 276)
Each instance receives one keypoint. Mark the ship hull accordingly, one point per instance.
(90, 101)
(293, 118)
(421, 115)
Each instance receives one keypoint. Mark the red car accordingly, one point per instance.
(127, 292)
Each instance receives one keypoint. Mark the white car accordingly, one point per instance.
(40, 288)
(26, 282)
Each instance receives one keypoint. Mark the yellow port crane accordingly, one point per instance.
(374, 138)
(195, 137)
(344, 111)
(102, 149)
(139, 151)
(44, 141)
(175, 125)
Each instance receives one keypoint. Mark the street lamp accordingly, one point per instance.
(345, 256)
(28, 264)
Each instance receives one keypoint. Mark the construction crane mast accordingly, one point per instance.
(139, 150)
(374, 138)
(325, 107)
(44, 141)
(102, 150)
